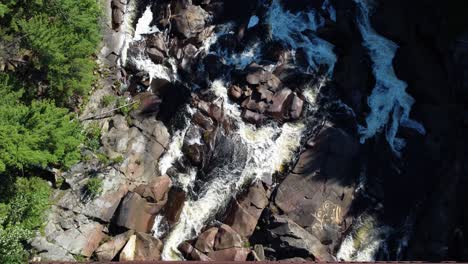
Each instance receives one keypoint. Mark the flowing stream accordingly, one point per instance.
(260, 152)
(390, 104)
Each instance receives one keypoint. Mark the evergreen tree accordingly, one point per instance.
(62, 35)
(35, 136)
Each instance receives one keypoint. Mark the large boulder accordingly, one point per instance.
(110, 249)
(156, 191)
(318, 193)
(245, 212)
(289, 239)
(136, 213)
(227, 238)
(281, 103)
(190, 21)
(81, 241)
(142, 247)
(206, 240)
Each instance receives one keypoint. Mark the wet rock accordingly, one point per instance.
(318, 194)
(155, 55)
(230, 254)
(110, 249)
(280, 105)
(206, 240)
(142, 247)
(297, 106)
(136, 213)
(292, 240)
(265, 94)
(190, 21)
(245, 212)
(235, 92)
(252, 117)
(157, 41)
(175, 205)
(202, 121)
(227, 237)
(253, 105)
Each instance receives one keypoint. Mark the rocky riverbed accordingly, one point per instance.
(272, 130)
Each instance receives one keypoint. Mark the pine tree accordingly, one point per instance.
(63, 35)
(36, 136)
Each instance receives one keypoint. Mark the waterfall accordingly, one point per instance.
(390, 104)
(259, 152)
(143, 26)
(267, 149)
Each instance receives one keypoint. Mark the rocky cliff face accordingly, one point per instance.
(322, 130)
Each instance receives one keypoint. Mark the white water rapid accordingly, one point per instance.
(287, 27)
(390, 104)
(267, 148)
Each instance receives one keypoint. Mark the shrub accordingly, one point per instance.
(21, 216)
(93, 136)
(126, 107)
(108, 100)
(93, 187)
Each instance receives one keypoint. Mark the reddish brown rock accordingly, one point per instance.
(110, 249)
(206, 240)
(157, 191)
(230, 254)
(142, 247)
(279, 108)
(235, 92)
(244, 214)
(227, 238)
(297, 106)
(319, 193)
(252, 117)
(174, 206)
(136, 213)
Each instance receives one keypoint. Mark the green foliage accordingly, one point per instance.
(93, 187)
(103, 159)
(29, 203)
(38, 135)
(20, 216)
(12, 240)
(63, 35)
(126, 107)
(118, 159)
(93, 136)
(108, 100)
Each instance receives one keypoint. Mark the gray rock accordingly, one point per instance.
(49, 251)
(293, 237)
(81, 241)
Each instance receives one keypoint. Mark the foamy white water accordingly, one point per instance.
(389, 99)
(143, 25)
(364, 241)
(268, 148)
(287, 27)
